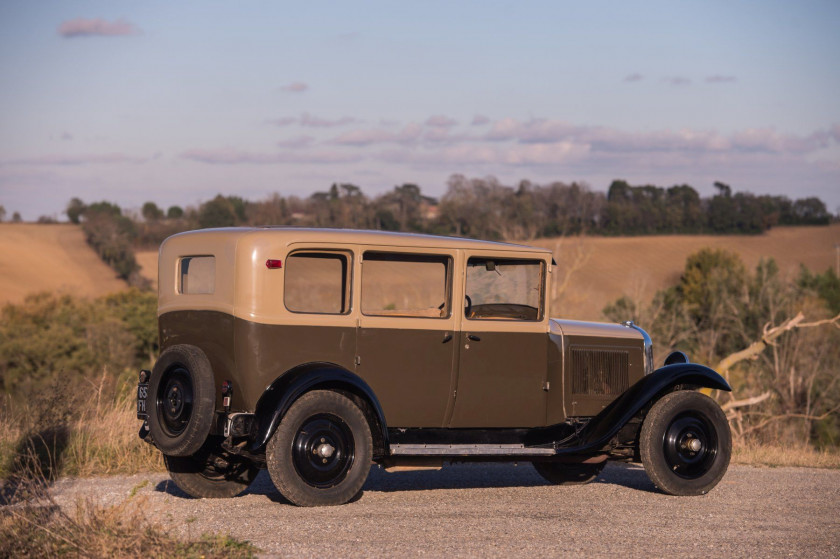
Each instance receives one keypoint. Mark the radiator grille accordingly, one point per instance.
(599, 372)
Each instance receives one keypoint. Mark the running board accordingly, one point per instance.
(469, 450)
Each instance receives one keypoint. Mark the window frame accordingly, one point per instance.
(447, 260)
(179, 278)
(348, 280)
(542, 280)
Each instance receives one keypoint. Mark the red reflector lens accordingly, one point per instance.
(273, 264)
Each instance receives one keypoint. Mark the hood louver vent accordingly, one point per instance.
(598, 372)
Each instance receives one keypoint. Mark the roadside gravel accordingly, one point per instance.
(506, 510)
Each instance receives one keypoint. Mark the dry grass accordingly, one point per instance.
(77, 437)
(32, 524)
(36, 258)
(775, 456)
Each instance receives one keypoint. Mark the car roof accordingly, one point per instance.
(363, 237)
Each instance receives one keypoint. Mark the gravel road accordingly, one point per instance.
(506, 510)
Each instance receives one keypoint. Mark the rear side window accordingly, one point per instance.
(317, 282)
(405, 285)
(197, 275)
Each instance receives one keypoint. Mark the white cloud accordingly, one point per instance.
(721, 79)
(81, 27)
(677, 80)
(79, 159)
(441, 121)
(295, 87)
(231, 156)
(312, 121)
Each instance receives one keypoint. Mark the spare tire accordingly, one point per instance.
(183, 400)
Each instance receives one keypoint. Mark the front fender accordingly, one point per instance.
(647, 390)
(279, 397)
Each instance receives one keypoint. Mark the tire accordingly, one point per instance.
(211, 474)
(183, 400)
(560, 473)
(320, 454)
(685, 443)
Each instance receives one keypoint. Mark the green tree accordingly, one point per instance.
(151, 212)
(175, 212)
(75, 209)
(218, 212)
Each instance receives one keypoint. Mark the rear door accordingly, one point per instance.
(407, 333)
(503, 343)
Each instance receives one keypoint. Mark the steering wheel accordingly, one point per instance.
(468, 308)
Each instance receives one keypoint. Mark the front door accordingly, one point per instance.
(503, 344)
(407, 335)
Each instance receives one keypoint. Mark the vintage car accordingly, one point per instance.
(316, 353)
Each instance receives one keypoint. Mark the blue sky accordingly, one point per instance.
(178, 101)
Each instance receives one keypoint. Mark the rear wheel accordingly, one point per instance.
(568, 474)
(183, 402)
(211, 474)
(685, 443)
(321, 453)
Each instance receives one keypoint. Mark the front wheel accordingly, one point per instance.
(685, 443)
(321, 453)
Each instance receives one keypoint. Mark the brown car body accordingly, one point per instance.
(496, 380)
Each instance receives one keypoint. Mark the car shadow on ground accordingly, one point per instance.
(451, 476)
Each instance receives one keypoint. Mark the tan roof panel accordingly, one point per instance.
(363, 237)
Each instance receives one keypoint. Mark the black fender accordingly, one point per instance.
(604, 426)
(288, 387)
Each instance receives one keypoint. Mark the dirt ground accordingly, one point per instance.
(474, 510)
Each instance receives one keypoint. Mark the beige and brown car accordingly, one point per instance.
(315, 353)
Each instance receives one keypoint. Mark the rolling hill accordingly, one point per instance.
(56, 258)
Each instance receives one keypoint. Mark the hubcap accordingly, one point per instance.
(323, 450)
(174, 401)
(690, 445)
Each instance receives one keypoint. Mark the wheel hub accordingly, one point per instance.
(690, 445)
(175, 401)
(323, 450)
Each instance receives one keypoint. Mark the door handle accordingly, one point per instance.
(473, 337)
(447, 337)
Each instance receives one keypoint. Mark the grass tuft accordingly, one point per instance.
(777, 456)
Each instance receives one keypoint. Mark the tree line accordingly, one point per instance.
(481, 208)
(486, 208)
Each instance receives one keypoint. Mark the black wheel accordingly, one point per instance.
(685, 443)
(183, 401)
(211, 474)
(568, 474)
(321, 453)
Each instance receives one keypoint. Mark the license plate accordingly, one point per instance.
(142, 392)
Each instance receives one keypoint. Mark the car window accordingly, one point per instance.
(317, 282)
(504, 289)
(406, 285)
(198, 275)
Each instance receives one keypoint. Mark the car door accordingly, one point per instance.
(503, 342)
(407, 332)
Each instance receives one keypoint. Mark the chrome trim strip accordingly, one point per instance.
(469, 450)
(648, 345)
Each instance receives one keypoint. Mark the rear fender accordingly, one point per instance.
(604, 426)
(282, 393)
